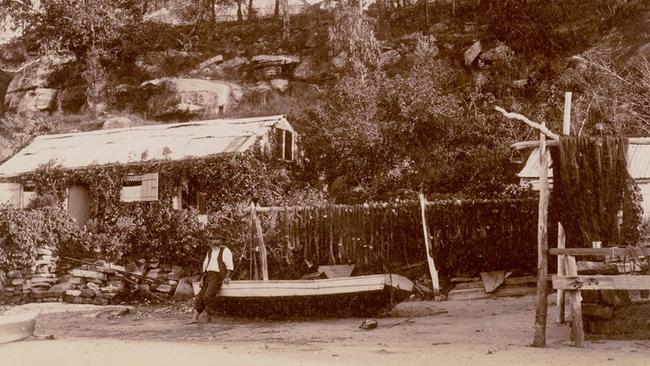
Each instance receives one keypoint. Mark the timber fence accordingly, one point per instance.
(467, 236)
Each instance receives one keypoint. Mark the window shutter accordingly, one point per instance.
(149, 187)
(10, 193)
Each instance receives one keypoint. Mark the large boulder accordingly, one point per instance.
(472, 53)
(30, 91)
(116, 122)
(178, 96)
(273, 66)
(34, 100)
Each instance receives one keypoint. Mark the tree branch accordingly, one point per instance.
(542, 129)
(19, 68)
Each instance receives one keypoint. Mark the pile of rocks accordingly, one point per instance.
(615, 314)
(26, 286)
(100, 283)
(158, 278)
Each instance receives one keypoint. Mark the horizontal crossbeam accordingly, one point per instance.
(601, 282)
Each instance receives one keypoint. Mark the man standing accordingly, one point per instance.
(217, 268)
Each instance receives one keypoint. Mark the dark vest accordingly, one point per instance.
(220, 262)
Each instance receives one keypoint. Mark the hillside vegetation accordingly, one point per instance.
(387, 102)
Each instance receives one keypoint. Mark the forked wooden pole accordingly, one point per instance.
(427, 242)
(541, 307)
(539, 126)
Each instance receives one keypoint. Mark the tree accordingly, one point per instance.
(251, 11)
(286, 21)
(352, 36)
(92, 30)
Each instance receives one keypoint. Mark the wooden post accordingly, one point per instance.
(542, 247)
(566, 125)
(561, 236)
(260, 243)
(561, 244)
(575, 300)
(427, 242)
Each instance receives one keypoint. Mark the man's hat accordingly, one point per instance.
(214, 235)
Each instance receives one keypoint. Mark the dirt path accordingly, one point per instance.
(482, 332)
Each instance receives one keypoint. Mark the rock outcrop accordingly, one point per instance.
(30, 90)
(170, 97)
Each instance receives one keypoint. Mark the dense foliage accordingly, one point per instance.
(129, 231)
(23, 231)
(383, 135)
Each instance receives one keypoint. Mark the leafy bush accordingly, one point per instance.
(23, 231)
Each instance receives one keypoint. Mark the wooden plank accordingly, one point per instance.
(541, 305)
(596, 268)
(566, 121)
(602, 252)
(602, 282)
(492, 280)
(464, 279)
(479, 293)
(523, 280)
(575, 301)
(469, 285)
(532, 144)
(561, 244)
(427, 242)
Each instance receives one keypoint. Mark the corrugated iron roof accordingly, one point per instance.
(638, 163)
(127, 145)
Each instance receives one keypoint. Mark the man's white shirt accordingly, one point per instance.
(214, 260)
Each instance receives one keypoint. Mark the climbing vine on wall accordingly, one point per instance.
(127, 231)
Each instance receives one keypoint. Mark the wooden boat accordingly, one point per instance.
(17, 327)
(344, 296)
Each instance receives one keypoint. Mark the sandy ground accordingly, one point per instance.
(481, 332)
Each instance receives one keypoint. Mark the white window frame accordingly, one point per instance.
(146, 191)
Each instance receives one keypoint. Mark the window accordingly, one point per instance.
(283, 148)
(29, 193)
(16, 194)
(188, 196)
(140, 188)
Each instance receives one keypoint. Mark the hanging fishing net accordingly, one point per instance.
(593, 195)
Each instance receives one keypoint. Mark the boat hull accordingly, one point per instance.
(350, 296)
(17, 327)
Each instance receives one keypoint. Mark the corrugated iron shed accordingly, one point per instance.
(638, 163)
(136, 144)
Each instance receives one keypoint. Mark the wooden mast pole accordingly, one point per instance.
(260, 243)
(561, 236)
(541, 307)
(427, 242)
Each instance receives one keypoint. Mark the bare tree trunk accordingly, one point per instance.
(276, 11)
(95, 77)
(286, 22)
(213, 14)
(240, 17)
(251, 11)
(426, 14)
